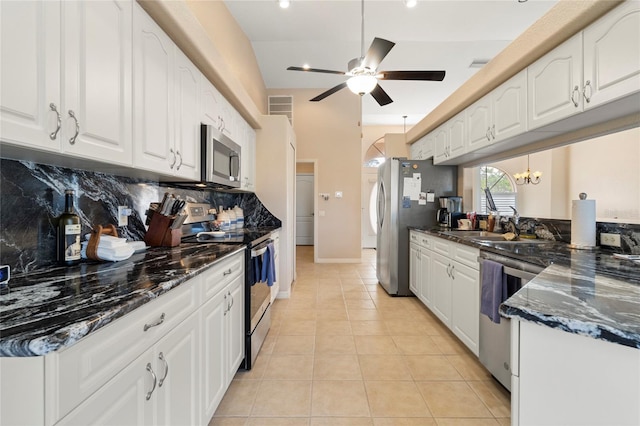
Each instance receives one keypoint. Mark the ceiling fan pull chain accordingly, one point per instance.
(362, 31)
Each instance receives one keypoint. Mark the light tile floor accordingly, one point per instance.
(341, 351)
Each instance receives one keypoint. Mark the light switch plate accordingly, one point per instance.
(123, 215)
(611, 240)
(338, 194)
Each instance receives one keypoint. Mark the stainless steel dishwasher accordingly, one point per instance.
(495, 339)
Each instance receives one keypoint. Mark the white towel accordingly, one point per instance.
(114, 254)
(107, 241)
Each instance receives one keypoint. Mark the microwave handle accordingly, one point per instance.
(235, 175)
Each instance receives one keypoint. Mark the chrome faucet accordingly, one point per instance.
(515, 221)
(516, 215)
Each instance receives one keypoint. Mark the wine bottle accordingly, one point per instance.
(68, 233)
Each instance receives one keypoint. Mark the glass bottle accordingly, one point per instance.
(68, 233)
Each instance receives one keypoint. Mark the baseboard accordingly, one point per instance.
(283, 294)
(341, 260)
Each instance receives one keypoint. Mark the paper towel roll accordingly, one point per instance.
(583, 223)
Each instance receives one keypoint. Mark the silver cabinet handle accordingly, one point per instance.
(448, 274)
(166, 369)
(155, 380)
(72, 141)
(576, 90)
(453, 277)
(227, 272)
(587, 85)
(493, 131)
(154, 324)
(54, 135)
(488, 134)
(232, 300)
(226, 310)
(174, 158)
(180, 163)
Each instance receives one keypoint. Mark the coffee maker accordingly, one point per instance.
(449, 211)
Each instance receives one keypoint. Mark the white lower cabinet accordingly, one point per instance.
(444, 275)
(169, 362)
(160, 387)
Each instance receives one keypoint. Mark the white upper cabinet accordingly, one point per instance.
(479, 121)
(423, 148)
(77, 99)
(97, 80)
(30, 93)
(153, 95)
(248, 166)
(499, 115)
(554, 84)
(509, 108)
(441, 144)
(457, 135)
(612, 56)
(166, 103)
(210, 103)
(187, 107)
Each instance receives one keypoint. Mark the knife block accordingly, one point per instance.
(160, 233)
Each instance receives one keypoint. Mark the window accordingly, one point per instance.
(502, 190)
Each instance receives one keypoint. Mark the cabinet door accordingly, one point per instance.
(426, 283)
(414, 269)
(441, 144)
(509, 106)
(214, 314)
(30, 37)
(441, 286)
(235, 330)
(122, 401)
(187, 124)
(479, 120)
(612, 55)
(97, 80)
(465, 305)
(177, 365)
(554, 84)
(153, 95)
(209, 103)
(457, 135)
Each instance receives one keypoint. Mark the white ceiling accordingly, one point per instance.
(435, 35)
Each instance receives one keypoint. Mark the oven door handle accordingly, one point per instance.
(260, 249)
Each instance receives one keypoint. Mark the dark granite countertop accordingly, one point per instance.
(51, 309)
(590, 293)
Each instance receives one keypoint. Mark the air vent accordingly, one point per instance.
(281, 105)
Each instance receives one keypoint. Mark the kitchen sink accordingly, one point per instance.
(490, 237)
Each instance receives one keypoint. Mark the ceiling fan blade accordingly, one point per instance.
(381, 96)
(316, 70)
(411, 75)
(377, 51)
(331, 91)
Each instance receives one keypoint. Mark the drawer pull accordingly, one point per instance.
(154, 324)
(227, 272)
(155, 380)
(166, 368)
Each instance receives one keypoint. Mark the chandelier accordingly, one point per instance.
(528, 177)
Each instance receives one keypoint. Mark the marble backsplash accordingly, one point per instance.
(32, 197)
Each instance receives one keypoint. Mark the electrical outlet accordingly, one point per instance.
(123, 215)
(612, 240)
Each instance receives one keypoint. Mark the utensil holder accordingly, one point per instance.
(160, 233)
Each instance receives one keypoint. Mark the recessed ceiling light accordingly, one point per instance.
(478, 63)
(410, 3)
(284, 3)
(306, 66)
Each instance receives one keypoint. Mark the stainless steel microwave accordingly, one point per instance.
(220, 160)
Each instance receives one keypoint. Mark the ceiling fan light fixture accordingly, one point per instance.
(410, 3)
(284, 3)
(362, 84)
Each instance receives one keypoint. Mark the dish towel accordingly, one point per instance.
(268, 266)
(494, 289)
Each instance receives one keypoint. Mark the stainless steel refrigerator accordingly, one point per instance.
(408, 192)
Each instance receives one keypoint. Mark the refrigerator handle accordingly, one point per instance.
(381, 201)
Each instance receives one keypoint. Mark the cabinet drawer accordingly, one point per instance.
(466, 255)
(421, 239)
(441, 246)
(221, 274)
(80, 370)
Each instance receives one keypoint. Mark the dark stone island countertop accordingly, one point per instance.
(55, 308)
(590, 293)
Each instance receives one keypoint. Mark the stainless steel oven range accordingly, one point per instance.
(257, 292)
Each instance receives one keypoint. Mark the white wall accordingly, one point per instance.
(606, 168)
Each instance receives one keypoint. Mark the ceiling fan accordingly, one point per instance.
(364, 74)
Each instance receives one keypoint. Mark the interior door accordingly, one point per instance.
(304, 209)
